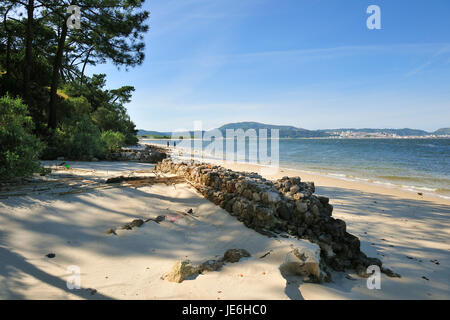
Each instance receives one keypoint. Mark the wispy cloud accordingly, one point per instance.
(324, 53)
(434, 58)
(179, 16)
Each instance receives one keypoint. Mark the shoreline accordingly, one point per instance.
(320, 179)
(321, 138)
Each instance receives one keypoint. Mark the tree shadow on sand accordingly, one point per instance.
(13, 264)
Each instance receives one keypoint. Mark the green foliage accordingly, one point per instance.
(19, 149)
(107, 108)
(156, 136)
(79, 105)
(113, 140)
(80, 108)
(78, 139)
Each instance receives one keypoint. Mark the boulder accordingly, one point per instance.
(181, 270)
(304, 261)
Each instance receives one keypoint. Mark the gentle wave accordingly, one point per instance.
(437, 192)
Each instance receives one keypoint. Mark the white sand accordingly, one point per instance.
(130, 265)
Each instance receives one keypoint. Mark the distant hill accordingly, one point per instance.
(442, 131)
(161, 134)
(152, 133)
(294, 132)
(284, 131)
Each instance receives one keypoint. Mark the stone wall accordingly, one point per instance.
(287, 205)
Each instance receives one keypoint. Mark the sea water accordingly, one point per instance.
(419, 165)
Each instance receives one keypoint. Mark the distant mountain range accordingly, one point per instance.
(294, 132)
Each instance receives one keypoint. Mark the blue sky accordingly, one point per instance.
(309, 63)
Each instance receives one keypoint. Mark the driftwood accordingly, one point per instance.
(138, 181)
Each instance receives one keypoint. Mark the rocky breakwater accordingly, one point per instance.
(287, 205)
(151, 154)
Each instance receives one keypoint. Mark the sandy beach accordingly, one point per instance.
(67, 213)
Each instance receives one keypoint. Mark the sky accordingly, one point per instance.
(312, 64)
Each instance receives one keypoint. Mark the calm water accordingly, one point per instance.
(420, 165)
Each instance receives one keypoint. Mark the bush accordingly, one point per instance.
(76, 139)
(113, 140)
(19, 149)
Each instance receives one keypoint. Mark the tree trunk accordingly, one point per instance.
(28, 51)
(8, 60)
(8, 49)
(55, 77)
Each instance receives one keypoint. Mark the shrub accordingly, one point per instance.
(78, 105)
(81, 139)
(76, 139)
(113, 140)
(19, 148)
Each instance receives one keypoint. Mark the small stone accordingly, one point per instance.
(158, 219)
(309, 218)
(287, 186)
(294, 189)
(234, 255)
(273, 197)
(50, 255)
(324, 200)
(361, 271)
(302, 207)
(315, 210)
(136, 223)
(390, 273)
(111, 231)
(210, 265)
(298, 196)
(126, 227)
(283, 212)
